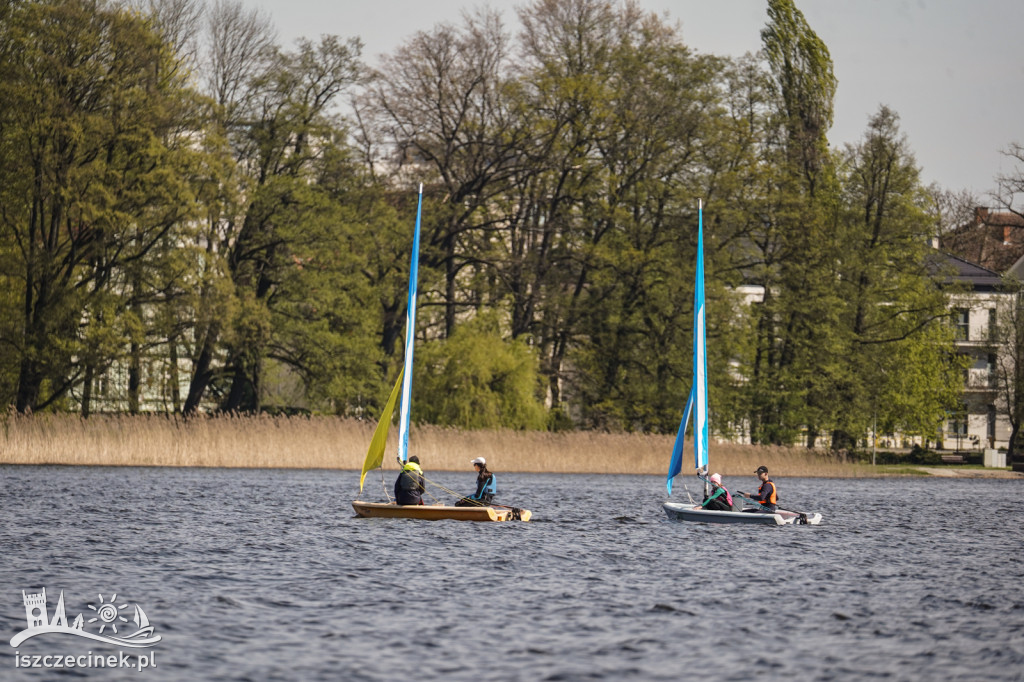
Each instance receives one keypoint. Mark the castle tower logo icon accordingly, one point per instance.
(108, 615)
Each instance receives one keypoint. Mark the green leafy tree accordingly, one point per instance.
(88, 183)
(323, 314)
(275, 112)
(798, 351)
(476, 379)
(893, 307)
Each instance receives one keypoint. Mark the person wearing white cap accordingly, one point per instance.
(486, 486)
(719, 498)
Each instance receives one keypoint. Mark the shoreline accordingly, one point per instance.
(905, 471)
(334, 443)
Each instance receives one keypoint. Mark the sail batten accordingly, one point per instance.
(410, 337)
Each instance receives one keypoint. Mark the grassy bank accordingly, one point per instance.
(333, 443)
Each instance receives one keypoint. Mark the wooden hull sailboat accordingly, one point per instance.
(437, 512)
(697, 405)
(375, 455)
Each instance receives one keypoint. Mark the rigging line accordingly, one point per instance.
(383, 484)
(688, 493)
(425, 480)
(430, 495)
(461, 496)
(438, 485)
(759, 505)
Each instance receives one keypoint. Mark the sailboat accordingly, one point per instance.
(697, 405)
(375, 454)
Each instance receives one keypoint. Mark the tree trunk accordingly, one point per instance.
(29, 382)
(87, 390)
(173, 377)
(201, 374)
(134, 378)
(450, 275)
(244, 396)
(236, 396)
(1011, 445)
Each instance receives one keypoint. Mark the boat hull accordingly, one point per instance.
(689, 512)
(437, 512)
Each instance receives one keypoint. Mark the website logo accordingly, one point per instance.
(112, 621)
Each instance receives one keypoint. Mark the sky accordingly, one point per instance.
(952, 69)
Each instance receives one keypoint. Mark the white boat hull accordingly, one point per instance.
(689, 512)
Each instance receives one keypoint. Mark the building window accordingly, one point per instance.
(963, 324)
(957, 425)
(992, 331)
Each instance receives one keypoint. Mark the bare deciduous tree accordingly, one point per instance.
(239, 41)
(1010, 185)
(1008, 341)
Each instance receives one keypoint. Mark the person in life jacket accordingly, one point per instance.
(719, 498)
(409, 485)
(486, 486)
(767, 496)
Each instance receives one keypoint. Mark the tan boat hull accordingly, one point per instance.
(436, 512)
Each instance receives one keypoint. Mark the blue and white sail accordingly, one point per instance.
(697, 402)
(410, 336)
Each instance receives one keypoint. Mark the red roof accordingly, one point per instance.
(993, 239)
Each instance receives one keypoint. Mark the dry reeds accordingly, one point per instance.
(333, 443)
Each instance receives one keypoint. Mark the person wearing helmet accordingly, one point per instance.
(767, 495)
(486, 486)
(718, 499)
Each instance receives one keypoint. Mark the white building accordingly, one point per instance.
(979, 424)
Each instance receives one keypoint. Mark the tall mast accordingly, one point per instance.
(700, 360)
(410, 337)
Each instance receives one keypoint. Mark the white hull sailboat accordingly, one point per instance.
(375, 455)
(697, 405)
(688, 512)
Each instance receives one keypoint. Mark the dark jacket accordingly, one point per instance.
(409, 485)
(486, 487)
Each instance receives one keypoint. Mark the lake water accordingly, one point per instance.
(266, 575)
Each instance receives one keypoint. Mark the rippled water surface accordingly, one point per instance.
(266, 575)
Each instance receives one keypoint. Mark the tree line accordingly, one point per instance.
(188, 202)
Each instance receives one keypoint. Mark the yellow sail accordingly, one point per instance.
(375, 456)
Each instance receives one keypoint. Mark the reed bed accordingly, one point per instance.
(266, 441)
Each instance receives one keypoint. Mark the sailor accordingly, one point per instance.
(719, 498)
(767, 496)
(486, 486)
(409, 485)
